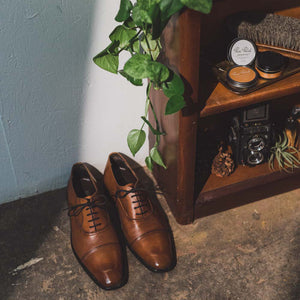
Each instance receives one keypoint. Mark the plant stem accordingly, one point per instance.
(147, 102)
(156, 122)
(148, 99)
(130, 41)
(148, 45)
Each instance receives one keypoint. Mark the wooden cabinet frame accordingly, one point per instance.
(182, 42)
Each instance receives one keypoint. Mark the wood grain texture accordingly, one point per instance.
(237, 197)
(221, 99)
(204, 97)
(181, 43)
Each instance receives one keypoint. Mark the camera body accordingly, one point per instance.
(251, 135)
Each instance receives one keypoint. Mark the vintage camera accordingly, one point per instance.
(251, 135)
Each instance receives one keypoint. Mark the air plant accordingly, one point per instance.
(287, 156)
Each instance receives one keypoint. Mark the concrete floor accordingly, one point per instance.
(251, 252)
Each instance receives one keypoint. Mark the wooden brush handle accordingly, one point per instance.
(286, 52)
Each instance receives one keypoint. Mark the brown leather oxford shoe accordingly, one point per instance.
(145, 229)
(94, 240)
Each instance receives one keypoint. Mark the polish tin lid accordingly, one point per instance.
(270, 62)
(242, 52)
(241, 77)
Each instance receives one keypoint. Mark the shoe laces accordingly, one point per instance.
(141, 202)
(89, 205)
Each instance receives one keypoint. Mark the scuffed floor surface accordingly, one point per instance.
(251, 252)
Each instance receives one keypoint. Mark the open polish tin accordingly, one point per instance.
(241, 53)
(247, 70)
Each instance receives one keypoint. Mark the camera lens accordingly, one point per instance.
(256, 143)
(255, 158)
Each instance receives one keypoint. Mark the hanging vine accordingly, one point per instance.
(139, 34)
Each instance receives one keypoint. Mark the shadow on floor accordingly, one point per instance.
(24, 225)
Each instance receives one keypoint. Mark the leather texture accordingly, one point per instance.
(94, 239)
(145, 228)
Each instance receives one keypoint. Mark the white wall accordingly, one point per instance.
(112, 105)
(56, 106)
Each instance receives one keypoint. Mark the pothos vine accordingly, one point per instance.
(139, 34)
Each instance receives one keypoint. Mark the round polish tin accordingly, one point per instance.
(242, 52)
(241, 77)
(269, 64)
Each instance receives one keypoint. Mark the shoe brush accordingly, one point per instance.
(266, 29)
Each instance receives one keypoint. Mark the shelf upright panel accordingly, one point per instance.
(181, 48)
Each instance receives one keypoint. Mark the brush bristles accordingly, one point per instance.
(273, 30)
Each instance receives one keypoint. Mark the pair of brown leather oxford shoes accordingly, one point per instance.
(95, 238)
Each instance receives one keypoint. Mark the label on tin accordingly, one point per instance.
(242, 52)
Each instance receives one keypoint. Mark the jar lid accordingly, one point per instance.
(241, 77)
(270, 62)
(241, 52)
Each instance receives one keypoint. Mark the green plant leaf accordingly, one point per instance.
(157, 72)
(146, 12)
(135, 140)
(174, 87)
(174, 104)
(169, 8)
(203, 6)
(138, 66)
(137, 82)
(129, 23)
(112, 48)
(122, 35)
(124, 11)
(154, 46)
(155, 15)
(147, 4)
(108, 59)
(161, 18)
(149, 163)
(140, 16)
(154, 131)
(135, 46)
(156, 157)
(271, 161)
(108, 62)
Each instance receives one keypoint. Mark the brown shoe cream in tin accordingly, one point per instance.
(241, 77)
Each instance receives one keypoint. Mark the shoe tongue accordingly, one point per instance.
(128, 187)
(125, 188)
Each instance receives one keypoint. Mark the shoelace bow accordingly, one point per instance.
(136, 193)
(75, 210)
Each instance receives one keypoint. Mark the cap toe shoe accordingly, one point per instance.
(145, 228)
(94, 239)
(106, 269)
(156, 250)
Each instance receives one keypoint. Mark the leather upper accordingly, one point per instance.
(144, 227)
(94, 239)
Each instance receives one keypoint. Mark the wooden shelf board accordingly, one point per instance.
(221, 99)
(243, 178)
(224, 202)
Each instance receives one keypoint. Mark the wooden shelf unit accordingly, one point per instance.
(183, 41)
(243, 178)
(221, 99)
